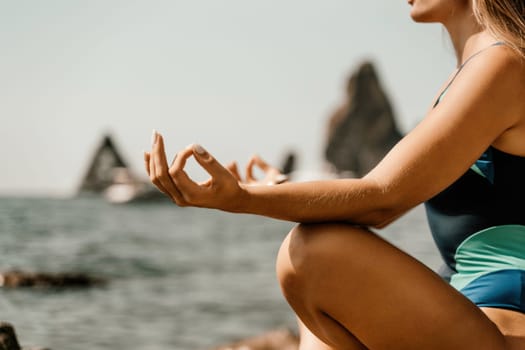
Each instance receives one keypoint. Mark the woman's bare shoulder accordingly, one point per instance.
(508, 66)
(495, 82)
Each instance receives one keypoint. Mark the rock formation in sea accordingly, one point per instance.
(280, 339)
(289, 163)
(24, 279)
(9, 341)
(101, 172)
(109, 176)
(363, 129)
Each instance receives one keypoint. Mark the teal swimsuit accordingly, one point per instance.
(478, 224)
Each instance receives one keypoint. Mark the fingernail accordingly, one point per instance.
(199, 150)
(153, 137)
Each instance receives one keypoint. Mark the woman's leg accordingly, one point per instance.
(511, 324)
(354, 290)
(308, 341)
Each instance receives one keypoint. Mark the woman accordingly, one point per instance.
(466, 160)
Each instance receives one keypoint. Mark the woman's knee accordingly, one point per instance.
(309, 250)
(293, 259)
(307, 261)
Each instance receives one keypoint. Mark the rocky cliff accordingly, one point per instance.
(363, 129)
(109, 176)
(101, 172)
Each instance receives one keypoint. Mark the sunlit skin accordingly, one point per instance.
(431, 11)
(350, 288)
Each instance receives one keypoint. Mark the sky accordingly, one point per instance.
(238, 76)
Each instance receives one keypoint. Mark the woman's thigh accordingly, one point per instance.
(511, 324)
(346, 282)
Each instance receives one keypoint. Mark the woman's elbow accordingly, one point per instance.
(390, 205)
(382, 217)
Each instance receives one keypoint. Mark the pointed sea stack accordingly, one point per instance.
(101, 172)
(363, 129)
(110, 177)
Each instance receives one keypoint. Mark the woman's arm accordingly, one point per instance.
(484, 102)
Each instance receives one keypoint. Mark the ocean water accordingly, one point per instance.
(179, 278)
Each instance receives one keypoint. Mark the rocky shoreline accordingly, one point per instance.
(280, 339)
(9, 341)
(25, 279)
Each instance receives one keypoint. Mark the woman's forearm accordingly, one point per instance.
(358, 201)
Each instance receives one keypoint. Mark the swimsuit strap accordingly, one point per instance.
(497, 43)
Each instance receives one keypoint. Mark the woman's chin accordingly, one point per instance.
(420, 17)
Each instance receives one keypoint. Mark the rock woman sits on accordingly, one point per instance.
(466, 161)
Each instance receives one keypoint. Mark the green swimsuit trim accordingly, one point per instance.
(493, 249)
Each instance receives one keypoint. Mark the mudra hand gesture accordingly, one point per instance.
(225, 188)
(272, 175)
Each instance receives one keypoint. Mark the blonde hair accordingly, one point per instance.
(505, 19)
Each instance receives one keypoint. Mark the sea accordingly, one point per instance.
(178, 278)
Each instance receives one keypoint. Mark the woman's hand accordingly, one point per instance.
(221, 191)
(272, 175)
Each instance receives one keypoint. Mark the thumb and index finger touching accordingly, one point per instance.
(206, 160)
(255, 160)
(157, 158)
(210, 164)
